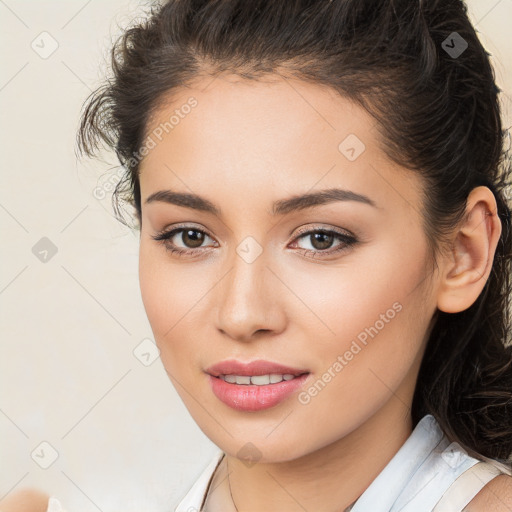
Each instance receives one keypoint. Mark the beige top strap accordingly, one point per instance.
(466, 487)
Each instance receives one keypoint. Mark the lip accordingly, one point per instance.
(251, 397)
(258, 367)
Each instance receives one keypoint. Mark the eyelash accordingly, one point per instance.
(348, 240)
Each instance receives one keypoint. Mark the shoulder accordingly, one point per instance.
(25, 500)
(496, 496)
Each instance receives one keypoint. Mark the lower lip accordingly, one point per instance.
(249, 397)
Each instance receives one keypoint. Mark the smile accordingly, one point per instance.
(258, 380)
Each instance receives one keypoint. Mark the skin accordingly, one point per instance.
(25, 500)
(296, 308)
(245, 145)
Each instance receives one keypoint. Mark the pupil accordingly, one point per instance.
(193, 241)
(324, 239)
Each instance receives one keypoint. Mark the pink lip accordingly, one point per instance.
(258, 367)
(250, 397)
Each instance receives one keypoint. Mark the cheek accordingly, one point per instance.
(154, 287)
(164, 292)
(370, 320)
(368, 292)
(361, 373)
(172, 295)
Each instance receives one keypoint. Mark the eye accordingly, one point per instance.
(322, 241)
(191, 236)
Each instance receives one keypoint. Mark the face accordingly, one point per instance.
(340, 289)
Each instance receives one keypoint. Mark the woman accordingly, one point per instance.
(324, 247)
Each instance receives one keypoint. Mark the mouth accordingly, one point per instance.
(258, 380)
(259, 368)
(254, 386)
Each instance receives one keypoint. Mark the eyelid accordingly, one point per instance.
(184, 226)
(308, 228)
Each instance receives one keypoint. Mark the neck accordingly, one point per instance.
(329, 479)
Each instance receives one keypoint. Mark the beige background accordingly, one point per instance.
(72, 326)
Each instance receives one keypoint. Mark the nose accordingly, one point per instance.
(248, 301)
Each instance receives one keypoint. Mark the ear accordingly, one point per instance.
(466, 270)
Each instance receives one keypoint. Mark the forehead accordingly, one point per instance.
(257, 116)
(277, 134)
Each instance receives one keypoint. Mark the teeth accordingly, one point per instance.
(258, 380)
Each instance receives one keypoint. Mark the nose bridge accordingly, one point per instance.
(247, 302)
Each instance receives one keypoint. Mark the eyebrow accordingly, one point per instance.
(280, 207)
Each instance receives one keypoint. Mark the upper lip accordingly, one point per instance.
(258, 367)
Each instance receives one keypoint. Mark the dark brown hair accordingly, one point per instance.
(437, 112)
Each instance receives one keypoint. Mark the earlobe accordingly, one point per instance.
(467, 269)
